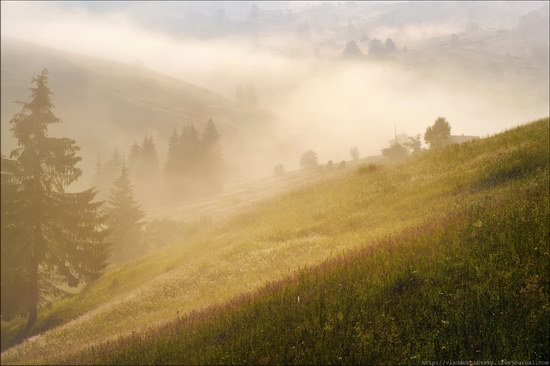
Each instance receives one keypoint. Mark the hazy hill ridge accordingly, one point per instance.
(94, 95)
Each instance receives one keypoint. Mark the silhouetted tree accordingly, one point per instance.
(309, 160)
(330, 165)
(389, 46)
(376, 48)
(240, 95)
(379, 49)
(106, 174)
(303, 32)
(415, 144)
(190, 153)
(49, 237)
(438, 134)
(212, 164)
(134, 158)
(171, 166)
(352, 50)
(149, 165)
(354, 152)
(124, 219)
(279, 170)
(252, 96)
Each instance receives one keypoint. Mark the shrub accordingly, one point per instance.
(367, 168)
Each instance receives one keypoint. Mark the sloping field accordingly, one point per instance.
(451, 234)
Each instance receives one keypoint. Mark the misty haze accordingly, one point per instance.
(275, 182)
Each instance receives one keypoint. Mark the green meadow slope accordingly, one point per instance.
(449, 261)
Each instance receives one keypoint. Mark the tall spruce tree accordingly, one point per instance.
(49, 237)
(124, 219)
(190, 145)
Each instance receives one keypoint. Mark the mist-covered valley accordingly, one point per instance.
(309, 95)
(253, 153)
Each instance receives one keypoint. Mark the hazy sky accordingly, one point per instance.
(326, 105)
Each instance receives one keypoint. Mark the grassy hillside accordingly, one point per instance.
(464, 270)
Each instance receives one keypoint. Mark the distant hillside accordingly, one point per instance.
(451, 262)
(106, 105)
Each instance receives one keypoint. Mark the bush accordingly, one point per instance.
(309, 160)
(367, 168)
(279, 170)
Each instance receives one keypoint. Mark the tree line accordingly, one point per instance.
(436, 136)
(194, 165)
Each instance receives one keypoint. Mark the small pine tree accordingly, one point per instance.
(124, 220)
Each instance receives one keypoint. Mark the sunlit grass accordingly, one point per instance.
(304, 227)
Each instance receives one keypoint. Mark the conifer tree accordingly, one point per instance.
(106, 174)
(49, 237)
(124, 219)
(171, 166)
(96, 179)
(211, 158)
(134, 158)
(172, 169)
(189, 153)
(149, 158)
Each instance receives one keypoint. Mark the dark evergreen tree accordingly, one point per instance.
(189, 153)
(106, 174)
(354, 152)
(171, 166)
(149, 159)
(96, 179)
(124, 220)
(211, 158)
(134, 158)
(49, 237)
